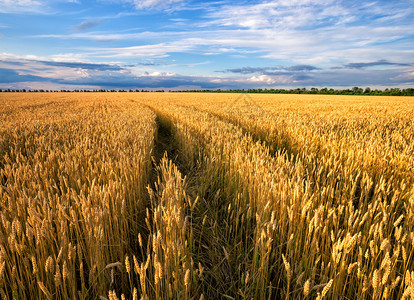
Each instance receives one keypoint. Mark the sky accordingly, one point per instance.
(186, 44)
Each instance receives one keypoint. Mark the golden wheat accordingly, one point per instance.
(338, 187)
(252, 197)
(73, 172)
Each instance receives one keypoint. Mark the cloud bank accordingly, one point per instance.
(214, 44)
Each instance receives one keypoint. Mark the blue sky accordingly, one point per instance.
(184, 44)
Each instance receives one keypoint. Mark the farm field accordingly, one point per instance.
(206, 196)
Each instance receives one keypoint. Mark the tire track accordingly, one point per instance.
(211, 245)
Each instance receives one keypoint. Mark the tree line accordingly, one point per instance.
(323, 91)
(76, 91)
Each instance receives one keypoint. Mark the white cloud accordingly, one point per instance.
(263, 79)
(19, 2)
(28, 6)
(326, 47)
(325, 33)
(69, 57)
(142, 4)
(14, 6)
(146, 51)
(157, 74)
(266, 80)
(100, 36)
(407, 76)
(302, 31)
(151, 4)
(66, 57)
(311, 31)
(278, 14)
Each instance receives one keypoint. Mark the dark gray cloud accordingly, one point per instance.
(85, 25)
(14, 63)
(10, 76)
(130, 82)
(246, 70)
(110, 76)
(330, 78)
(382, 62)
(302, 77)
(113, 80)
(146, 64)
(357, 77)
(271, 70)
(149, 64)
(74, 65)
(89, 66)
(300, 68)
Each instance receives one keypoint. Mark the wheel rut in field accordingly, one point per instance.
(208, 218)
(164, 143)
(292, 154)
(284, 147)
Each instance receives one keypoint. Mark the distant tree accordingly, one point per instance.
(356, 90)
(409, 92)
(395, 92)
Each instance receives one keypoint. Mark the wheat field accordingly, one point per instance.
(206, 196)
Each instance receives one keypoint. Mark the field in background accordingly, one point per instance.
(215, 196)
